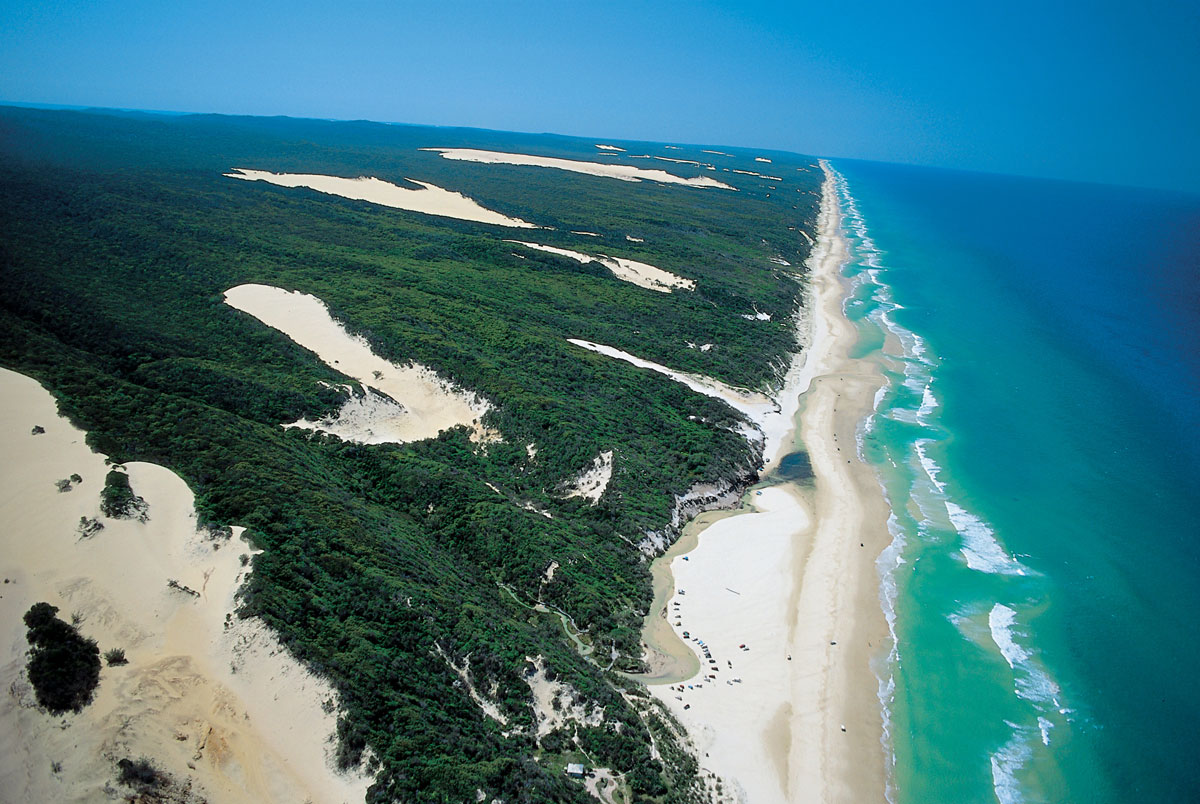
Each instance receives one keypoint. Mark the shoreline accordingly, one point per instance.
(794, 715)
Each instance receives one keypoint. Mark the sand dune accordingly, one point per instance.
(430, 199)
(622, 172)
(752, 173)
(214, 702)
(639, 273)
(420, 403)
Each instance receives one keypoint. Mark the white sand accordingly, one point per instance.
(609, 148)
(622, 172)
(605, 786)
(556, 704)
(755, 405)
(633, 239)
(760, 175)
(795, 579)
(227, 709)
(758, 315)
(741, 569)
(771, 416)
(593, 481)
(421, 404)
(486, 704)
(430, 199)
(525, 504)
(719, 153)
(761, 159)
(639, 273)
(586, 234)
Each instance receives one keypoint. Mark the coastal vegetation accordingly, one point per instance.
(118, 501)
(64, 666)
(385, 566)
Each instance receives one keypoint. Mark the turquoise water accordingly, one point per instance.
(1039, 443)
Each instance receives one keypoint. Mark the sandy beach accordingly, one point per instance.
(214, 701)
(780, 603)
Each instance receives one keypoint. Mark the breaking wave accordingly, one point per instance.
(903, 439)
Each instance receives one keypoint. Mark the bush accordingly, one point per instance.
(118, 500)
(140, 773)
(64, 667)
(115, 656)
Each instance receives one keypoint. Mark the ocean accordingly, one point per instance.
(1039, 444)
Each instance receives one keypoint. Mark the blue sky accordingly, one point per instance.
(1098, 91)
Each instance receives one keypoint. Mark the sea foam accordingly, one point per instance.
(886, 565)
(1000, 621)
(931, 467)
(929, 404)
(1006, 763)
(980, 546)
(1032, 682)
(1044, 726)
(930, 517)
(890, 559)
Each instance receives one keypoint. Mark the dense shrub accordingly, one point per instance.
(139, 773)
(64, 667)
(118, 500)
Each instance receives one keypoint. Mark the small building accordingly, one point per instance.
(575, 770)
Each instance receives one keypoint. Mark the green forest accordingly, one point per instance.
(119, 236)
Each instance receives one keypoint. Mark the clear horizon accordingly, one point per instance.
(1076, 91)
(607, 138)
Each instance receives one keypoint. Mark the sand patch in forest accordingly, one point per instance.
(612, 171)
(429, 200)
(398, 404)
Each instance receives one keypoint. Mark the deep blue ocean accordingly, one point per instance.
(1039, 443)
